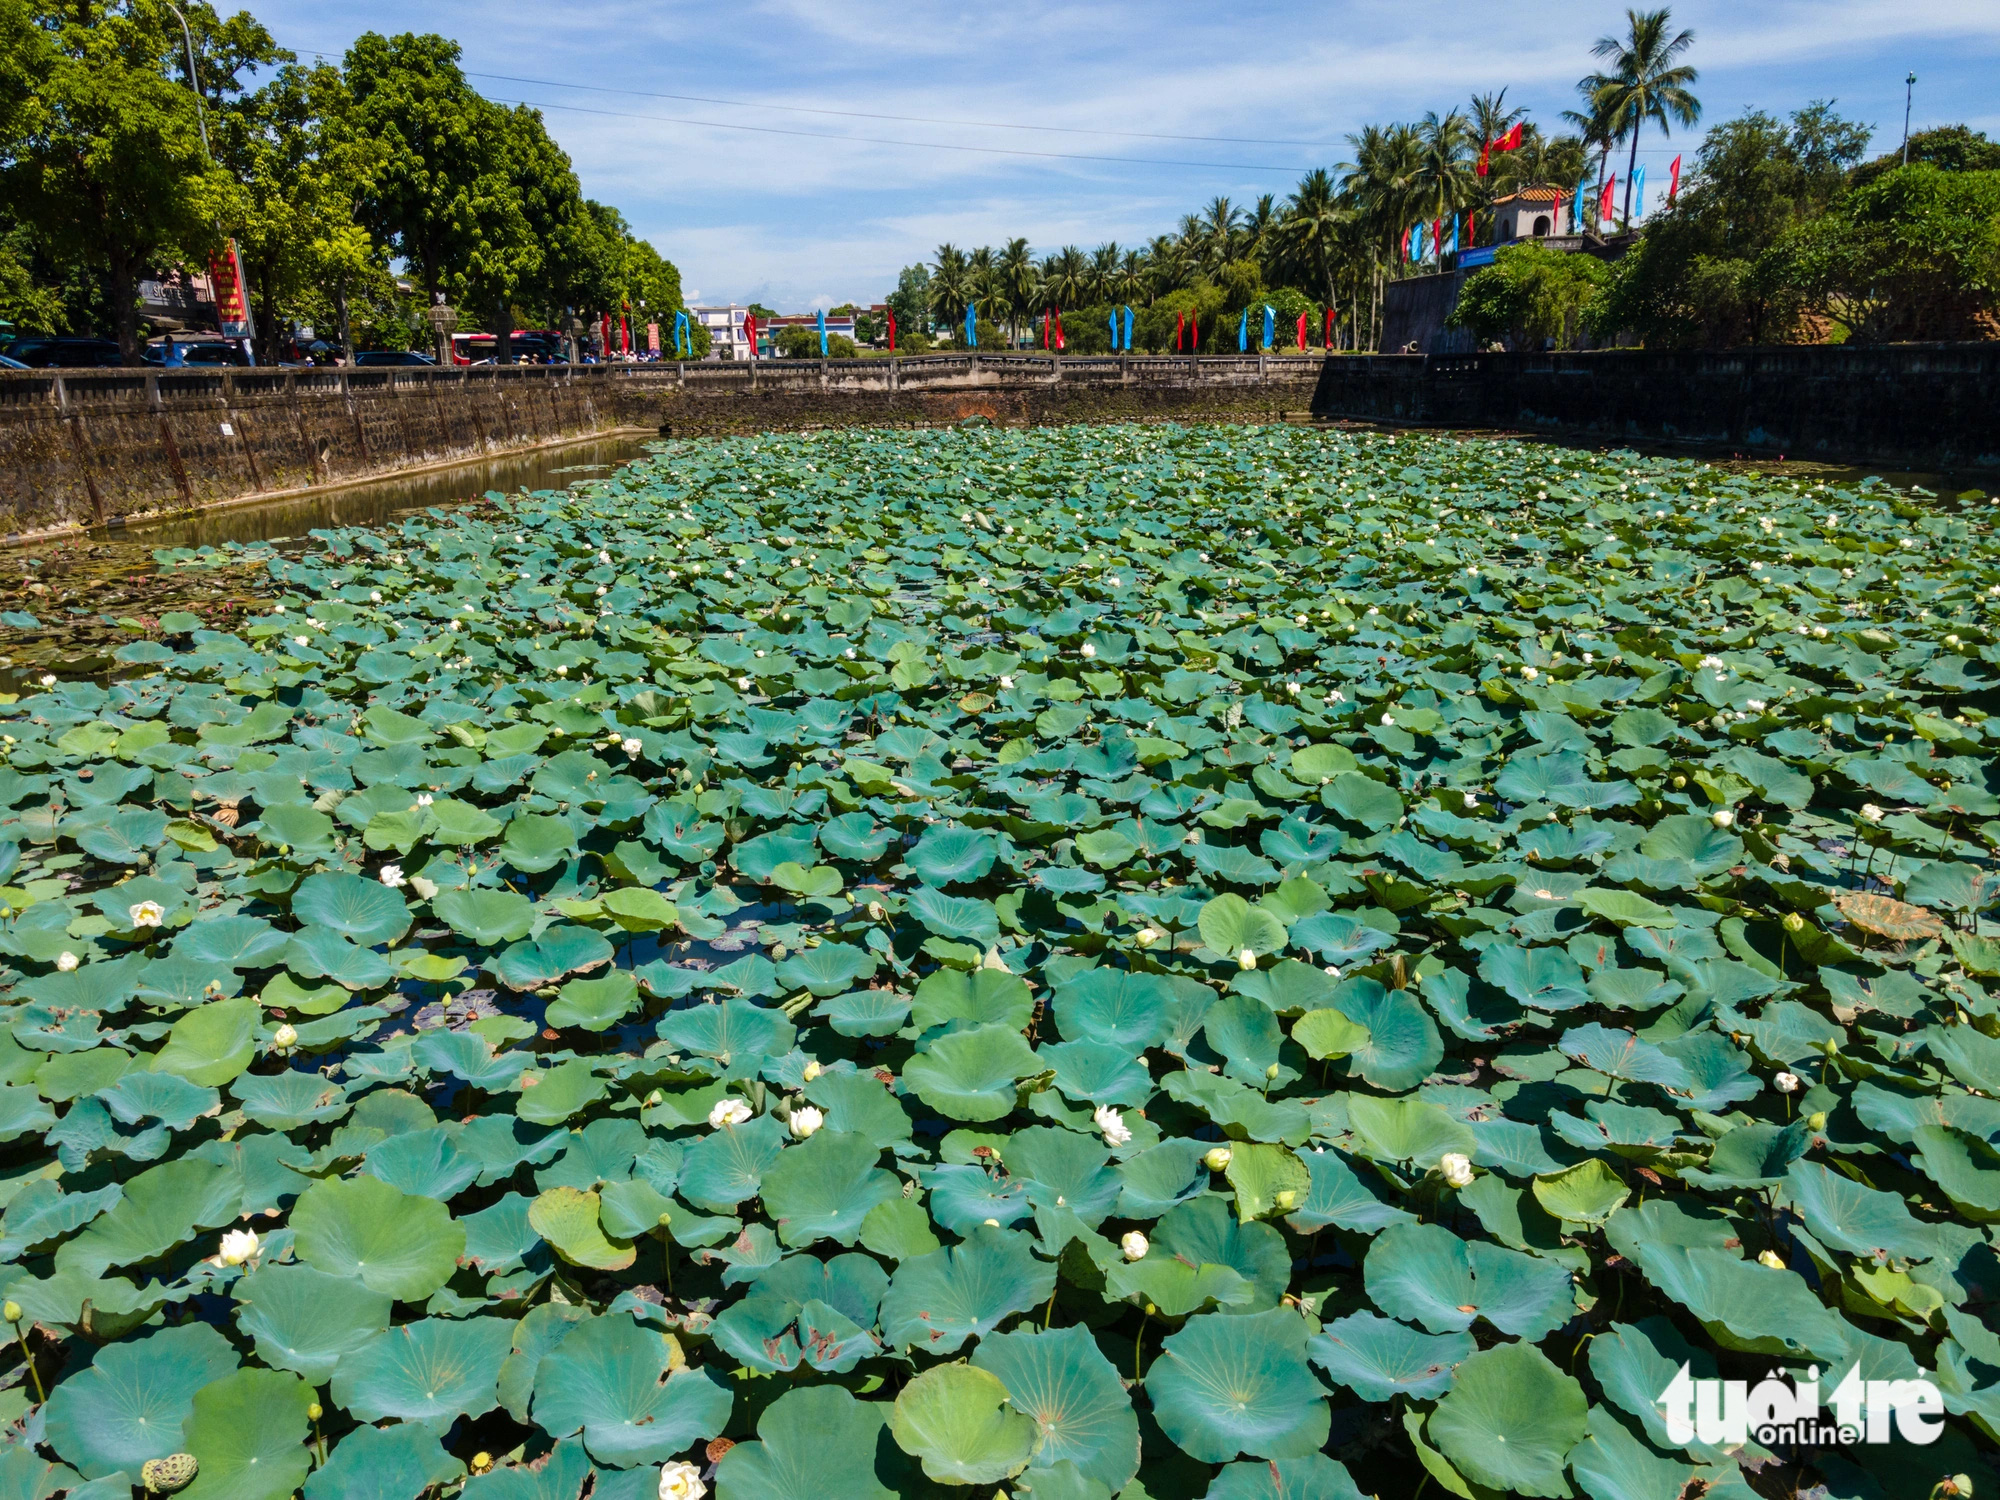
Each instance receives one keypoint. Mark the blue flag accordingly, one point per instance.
(1576, 207)
(821, 315)
(1639, 193)
(1128, 328)
(683, 342)
(1452, 248)
(1270, 324)
(1113, 321)
(972, 325)
(1243, 332)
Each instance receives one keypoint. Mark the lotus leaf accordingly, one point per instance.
(1229, 1385)
(611, 1380)
(403, 1246)
(1510, 1420)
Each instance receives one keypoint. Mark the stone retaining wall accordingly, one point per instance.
(96, 447)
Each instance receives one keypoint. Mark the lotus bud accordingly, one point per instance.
(285, 1037)
(991, 1223)
(1247, 959)
(1679, 782)
(1794, 923)
(681, 1481)
(1146, 937)
(1287, 1199)
(238, 1245)
(812, 1070)
(1456, 1169)
(11, 1311)
(1722, 817)
(1772, 1259)
(1786, 1083)
(1216, 1158)
(1816, 1120)
(805, 1120)
(1135, 1245)
(66, 961)
(1272, 1071)
(1111, 1124)
(728, 1112)
(314, 1412)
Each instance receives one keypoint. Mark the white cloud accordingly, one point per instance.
(782, 217)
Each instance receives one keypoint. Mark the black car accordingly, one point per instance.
(206, 355)
(392, 357)
(58, 351)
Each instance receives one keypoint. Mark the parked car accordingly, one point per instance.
(392, 357)
(206, 354)
(62, 351)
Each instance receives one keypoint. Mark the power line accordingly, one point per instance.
(869, 140)
(855, 114)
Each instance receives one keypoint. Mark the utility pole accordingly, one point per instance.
(1909, 94)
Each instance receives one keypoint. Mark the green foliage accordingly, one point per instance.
(1613, 880)
(1530, 296)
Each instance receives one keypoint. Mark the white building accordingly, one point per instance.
(726, 339)
(1530, 214)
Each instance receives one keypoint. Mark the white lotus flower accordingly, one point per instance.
(375, 596)
(1456, 1168)
(1087, 650)
(1786, 1083)
(1111, 1125)
(1387, 720)
(238, 1245)
(147, 914)
(632, 745)
(805, 1120)
(728, 1112)
(811, 1071)
(424, 888)
(1146, 936)
(1135, 1245)
(604, 557)
(285, 1037)
(1722, 817)
(1755, 705)
(1530, 673)
(680, 1480)
(562, 671)
(1215, 1158)
(301, 640)
(1871, 812)
(1006, 683)
(66, 962)
(392, 877)
(1772, 1259)
(423, 799)
(1247, 959)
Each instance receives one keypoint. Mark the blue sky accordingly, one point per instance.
(1144, 109)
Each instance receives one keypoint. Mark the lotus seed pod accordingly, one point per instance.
(481, 1462)
(163, 1476)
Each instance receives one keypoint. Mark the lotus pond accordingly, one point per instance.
(1157, 962)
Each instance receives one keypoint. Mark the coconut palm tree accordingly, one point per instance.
(1444, 181)
(1491, 118)
(1592, 124)
(950, 286)
(1380, 184)
(1217, 229)
(1310, 232)
(1646, 84)
(1014, 269)
(1066, 277)
(1104, 270)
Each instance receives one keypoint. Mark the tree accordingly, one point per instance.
(950, 286)
(106, 158)
(1955, 148)
(1530, 295)
(910, 302)
(1914, 254)
(1311, 231)
(1690, 280)
(1646, 84)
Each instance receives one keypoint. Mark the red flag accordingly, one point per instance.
(892, 331)
(625, 336)
(1045, 328)
(1302, 333)
(1604, 200)
(1437, 237)
(1329, 328)
(750, 332)
(1674, 181)
(1180, 331)
(1194, 334)
(1059, 332)
(1485, 156)
(1511, 141)
(1556, 214)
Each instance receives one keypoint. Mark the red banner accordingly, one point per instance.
(232, 302)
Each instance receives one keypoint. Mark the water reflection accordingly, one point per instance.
(383, 499)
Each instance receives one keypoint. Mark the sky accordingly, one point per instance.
(811, 148)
